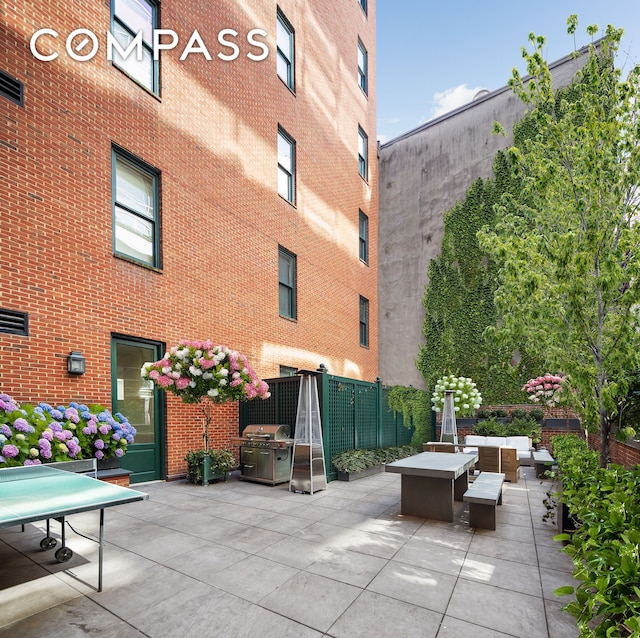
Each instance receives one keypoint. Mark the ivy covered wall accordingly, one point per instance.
(459, 299)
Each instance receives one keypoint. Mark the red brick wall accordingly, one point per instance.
(212, 134)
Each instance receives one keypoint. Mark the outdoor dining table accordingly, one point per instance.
(431, 481)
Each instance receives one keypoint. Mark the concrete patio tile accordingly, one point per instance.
(257, 620)
(141, 588)
(454, 628)
(552, 579)
(422, 553)
(507, 532)
(554, 558)
(294, 552)
(326, 534)
(507, 515)
(347, 518)
(498, 609)
(487, 545)
(561, 624)
(205, 561)
(502, 573)
(283, 523)
(447, 535)
(383, 545)
(196, 610)
(375, 615)
(249, 539)
(414, 585)
(240, 578)
(348, 567)
(77, 618)
(325, 600)
(161, 544)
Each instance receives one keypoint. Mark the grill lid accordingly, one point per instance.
(266, 432)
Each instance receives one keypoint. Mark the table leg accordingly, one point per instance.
(427, 497)
(101, 537)
(460, 486)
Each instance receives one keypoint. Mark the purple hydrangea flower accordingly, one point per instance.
(104, 429)
(119, 452)
(6, 430)
(99, 454)
(47, 435)
(56, 414)
(99, 444)
(9, 451)
(21, 425)
(32, 462)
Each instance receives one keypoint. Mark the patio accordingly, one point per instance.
(240, 559)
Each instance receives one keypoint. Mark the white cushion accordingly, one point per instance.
(519, 442)
(495, 441)
(473, 440)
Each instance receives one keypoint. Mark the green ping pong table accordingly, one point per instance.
(38, 492)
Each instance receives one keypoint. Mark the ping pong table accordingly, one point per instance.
(39, 492)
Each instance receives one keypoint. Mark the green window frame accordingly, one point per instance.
(287, 283)
(286, 166)
(128, 18)
(285, 50)
(362, 66)
(363, 232)
(363, 141)
(288, 371)
(364, 322)
(136, 211)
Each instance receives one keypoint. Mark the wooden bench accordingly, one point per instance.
(541, 462)
(483, 495)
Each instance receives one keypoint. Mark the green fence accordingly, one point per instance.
(355, 414)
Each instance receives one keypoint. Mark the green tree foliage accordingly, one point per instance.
(568, 244)
(459, 301)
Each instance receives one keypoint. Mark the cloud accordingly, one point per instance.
(450, 99)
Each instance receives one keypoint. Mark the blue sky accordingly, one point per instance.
(434, 56)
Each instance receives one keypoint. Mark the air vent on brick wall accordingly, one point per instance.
(11, 88)
(14, 322)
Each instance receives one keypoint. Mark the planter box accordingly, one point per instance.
(566, 523)
(352, 476)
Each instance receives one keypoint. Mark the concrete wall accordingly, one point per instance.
(423, 173)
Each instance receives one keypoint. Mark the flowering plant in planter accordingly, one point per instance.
(546, 389)
(205, 373)
(31, 435)
(466, 397)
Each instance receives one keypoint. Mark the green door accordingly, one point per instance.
(142, 404)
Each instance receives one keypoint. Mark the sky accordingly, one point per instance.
(434, 56)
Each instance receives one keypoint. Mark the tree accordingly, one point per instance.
(568, 245)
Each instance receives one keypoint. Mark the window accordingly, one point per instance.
(11, 88)
(288, 371)
(363, 4)
(364, 237)
(362, 66)
(286, 283)
(362, 153)
(136, 218)
(14, 322)
(128, 18)
(284, 45)
(286, 166)
(364, 322)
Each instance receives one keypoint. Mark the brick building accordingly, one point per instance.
(226, 190)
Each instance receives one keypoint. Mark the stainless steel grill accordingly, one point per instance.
(265, 453)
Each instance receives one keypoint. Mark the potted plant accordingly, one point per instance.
(466, 398)
(219, 464)
(203, 373)
(354, 464)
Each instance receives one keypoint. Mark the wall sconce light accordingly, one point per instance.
(76, 363)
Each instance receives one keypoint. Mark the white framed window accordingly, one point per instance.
(286, 283)
(128, 18)
(362, 66)
(136, 215)
(363, 141)
(286, 166)
(285, 50)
